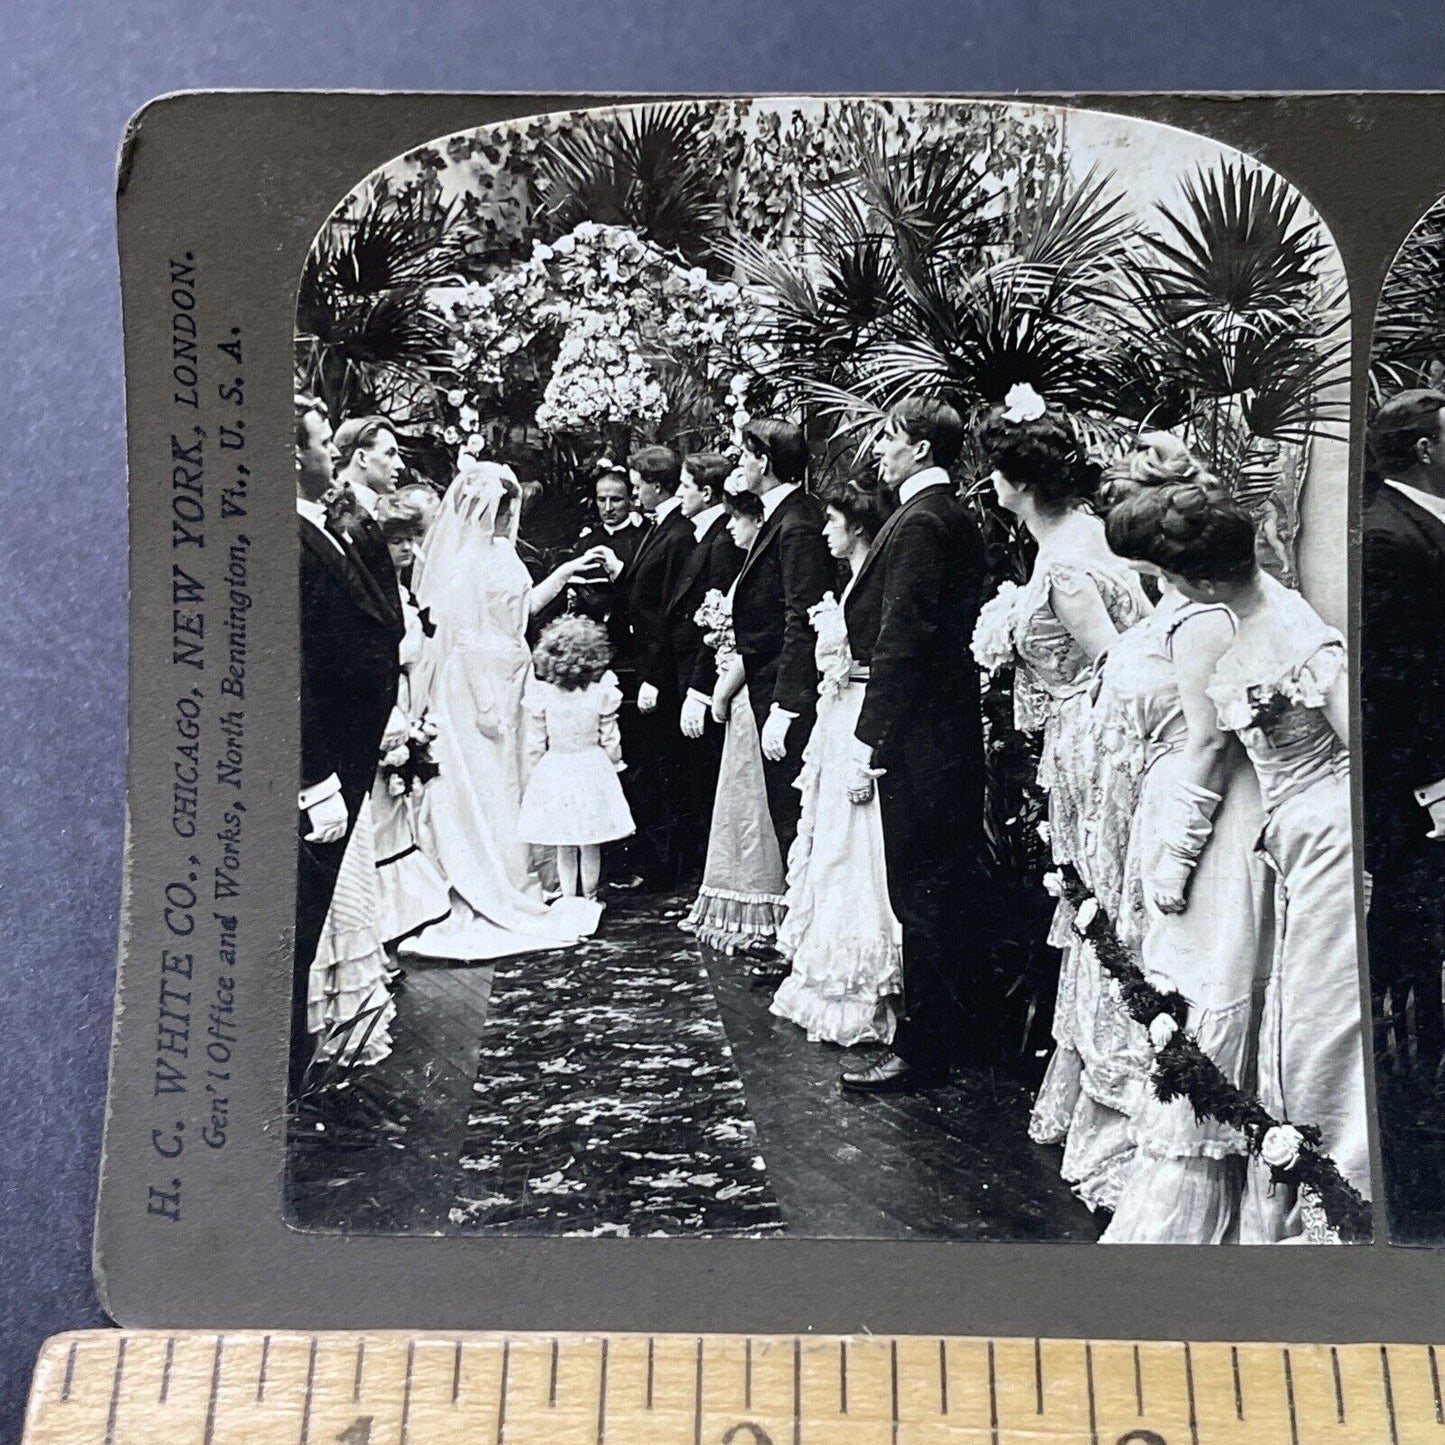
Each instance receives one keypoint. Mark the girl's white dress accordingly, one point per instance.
(839, 933)
(575, 748)
(1183, 1185)
(1271, 689)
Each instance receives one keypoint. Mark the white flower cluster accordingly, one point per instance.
(993, 634)
(609, 300)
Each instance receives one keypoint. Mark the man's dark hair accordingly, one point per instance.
(1400, 424)
(781, 444)
(710, 470)
(926, 419)
(659, 465)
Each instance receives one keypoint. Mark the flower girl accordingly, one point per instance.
(573, 801)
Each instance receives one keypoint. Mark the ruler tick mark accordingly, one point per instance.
(457, 1374)
(797, 1391)
(602, 1398)
(1138, 1385)
(1038, 1376)
(1093, 1407)
(1189, 1390)
(1339, 1385)
(310, 1389)
(215, 1391)
(261, 1377)
(1289, 1396)
(992, 1398)
(893, 1376)
(405, 1427)
(69, 1373)
(842, 1377)
(943, 1376)
(166, 1370)
(697, 1396)
(1435, 1385)
(114, 1412)
(502, 1392)
(552, 1383)
(1238, 1386)
(1389, 1395)
(360, 1365)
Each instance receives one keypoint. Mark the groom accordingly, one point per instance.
(919, 738)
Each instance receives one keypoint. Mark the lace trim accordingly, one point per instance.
(725, 921)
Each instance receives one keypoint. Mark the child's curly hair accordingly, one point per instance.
(572, 653)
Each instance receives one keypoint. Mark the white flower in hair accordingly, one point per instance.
(736, 481)
(1023, 403)
(1281, 1146)
(1162, 1028)
(1054, 885)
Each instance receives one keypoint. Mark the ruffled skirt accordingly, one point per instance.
(840, 935)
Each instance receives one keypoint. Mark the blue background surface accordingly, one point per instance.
(72, 76)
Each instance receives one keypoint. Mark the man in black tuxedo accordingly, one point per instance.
(910, 616)
(1402, 695)
(647, 586)
(351, 630)
(711, 566)
(786, 572)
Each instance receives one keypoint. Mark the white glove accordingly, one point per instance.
(646, 697)
(694, 717)
(863, 776)
(397, 729)
(775, 735)
(328, 819)
(609, 559)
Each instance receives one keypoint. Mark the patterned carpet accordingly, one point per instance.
(608, 1101)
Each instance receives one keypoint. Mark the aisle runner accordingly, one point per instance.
(607, 1100)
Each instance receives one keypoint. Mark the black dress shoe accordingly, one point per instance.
(768, 975)
(890, 1075)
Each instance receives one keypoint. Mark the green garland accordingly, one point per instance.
(1182, 1070)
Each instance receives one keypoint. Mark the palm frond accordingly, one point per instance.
(1408, 349)
(1078, 227)
(1241, 243)
(647, 169)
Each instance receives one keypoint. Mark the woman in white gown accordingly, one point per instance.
(470, 679)
(839, 934)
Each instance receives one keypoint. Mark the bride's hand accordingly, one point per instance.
(1169, 900)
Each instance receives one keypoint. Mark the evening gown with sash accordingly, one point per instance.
(1271, 688)
(1184, 1182)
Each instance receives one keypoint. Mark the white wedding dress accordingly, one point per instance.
(470, 679)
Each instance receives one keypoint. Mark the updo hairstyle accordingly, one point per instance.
(1191, 529)
(862, 504)
(1042, 457)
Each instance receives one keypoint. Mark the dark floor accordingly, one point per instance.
(388, 1153)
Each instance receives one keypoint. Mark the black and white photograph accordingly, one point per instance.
(1402, 694)
(825, 697)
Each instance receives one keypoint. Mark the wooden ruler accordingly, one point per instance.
(128, 1387)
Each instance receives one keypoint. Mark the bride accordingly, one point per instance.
(470, 679)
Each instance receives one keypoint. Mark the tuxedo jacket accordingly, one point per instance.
(351, 630)
(910, 615)
(787, 571)
(1402, 674)
(712, 565)
(647, 584)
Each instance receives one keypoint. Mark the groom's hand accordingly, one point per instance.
(327, 818)
(694, 716)
(646, 698)
(863, 777)
(775, 735)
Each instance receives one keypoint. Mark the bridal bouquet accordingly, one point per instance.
(716, 620)
(410, 765)
(993, 634)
